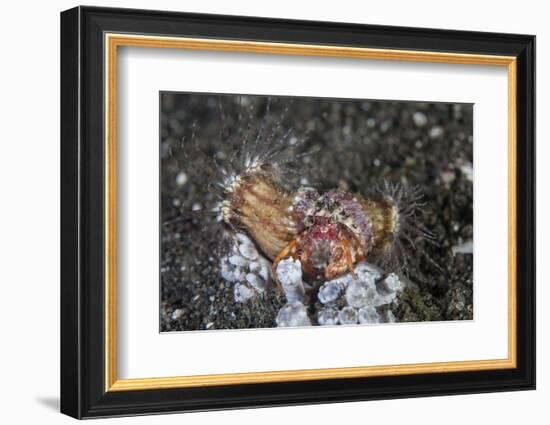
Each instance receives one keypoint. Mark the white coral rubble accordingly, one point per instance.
(327, 316)
(242, 292)
(293, 314)
(345, 300)
(289, 274)
(348, 316)
(246, 269)
(330, 291)
(361, 296)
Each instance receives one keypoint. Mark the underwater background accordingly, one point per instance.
(354, 145)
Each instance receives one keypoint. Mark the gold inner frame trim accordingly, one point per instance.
(113, 41)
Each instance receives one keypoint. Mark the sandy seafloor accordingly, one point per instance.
(358, 144)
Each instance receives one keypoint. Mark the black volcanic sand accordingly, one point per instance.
(358, 145)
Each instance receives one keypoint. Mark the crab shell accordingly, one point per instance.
(326, 232)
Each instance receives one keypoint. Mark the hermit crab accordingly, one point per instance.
(328, 232)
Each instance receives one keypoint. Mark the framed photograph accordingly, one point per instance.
(261, 212)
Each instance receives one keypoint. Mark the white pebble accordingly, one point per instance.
(260, 267)
(242, 238)
(358, 295)
(368, 315)
(257, 282)
(181, 178)
(237, 260)
(255, 267)
(327, 316)
(265, 269)
(392, 283)
(294, 314)
(420, 119)
(468, 171)
(242, 293)
(466, 248)
(177, 314)
(289, 270)
(436, 132)
(229, 272)
(448, 177)
(248, 251)
(348, 316)
(367, 272)
(330, 291)
(238, 275)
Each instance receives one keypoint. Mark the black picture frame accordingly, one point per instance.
(83, 392)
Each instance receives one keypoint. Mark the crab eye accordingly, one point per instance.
(307, 221)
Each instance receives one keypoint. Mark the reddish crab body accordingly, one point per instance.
(325, 248)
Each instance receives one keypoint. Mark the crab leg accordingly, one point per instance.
(349, 258)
